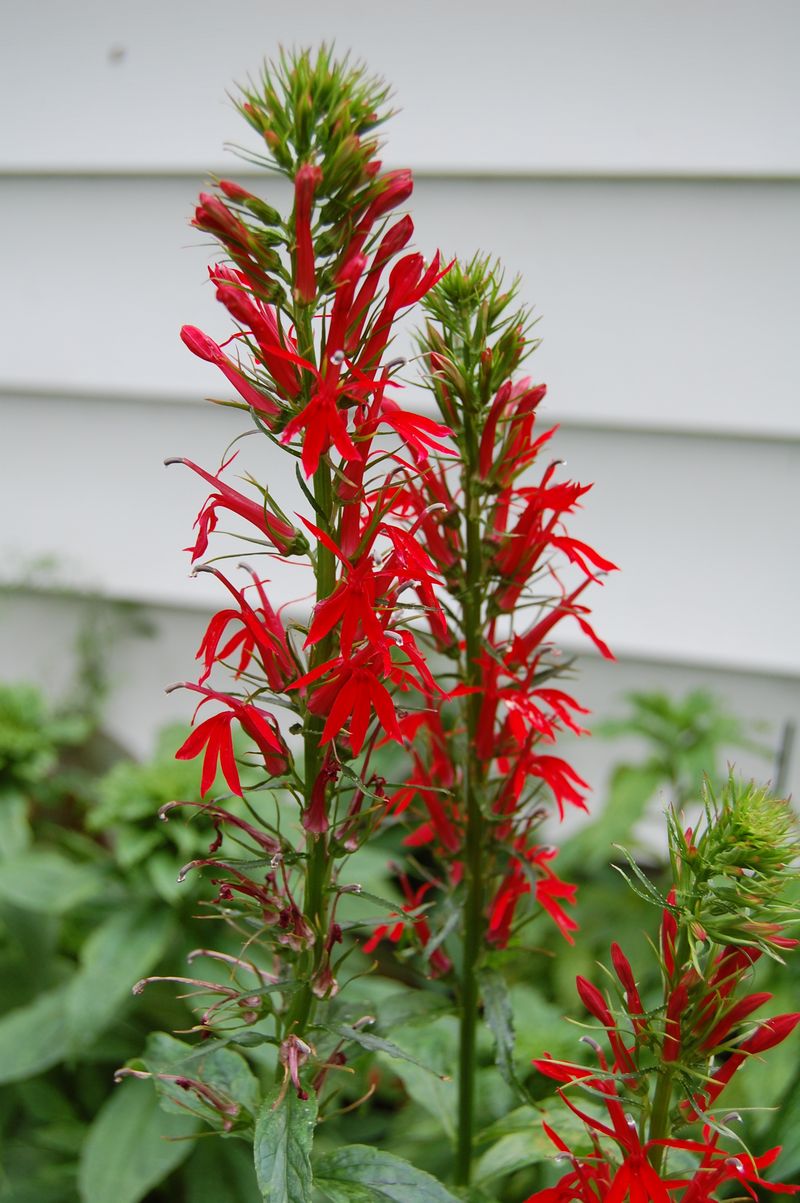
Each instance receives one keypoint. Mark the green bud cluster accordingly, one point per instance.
(732, 872)
(483, 336)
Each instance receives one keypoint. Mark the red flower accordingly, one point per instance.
(439, 961)
(285, 538)
(353, 691)
(233, 290)
(260, 631)
(214, 735)
(205, 348)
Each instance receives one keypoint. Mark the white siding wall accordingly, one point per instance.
(636, 160)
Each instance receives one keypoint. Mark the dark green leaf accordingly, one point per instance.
(33, 1038)
(284, 1135)
(117, 954)
(362, 1174)
(221, 1170)
(132, 1146)
(429, 1076)
(499, 1016)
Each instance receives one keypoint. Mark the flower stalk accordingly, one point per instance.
(724, 911)
(441, 565)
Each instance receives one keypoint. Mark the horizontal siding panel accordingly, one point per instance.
(702, 529)
(519, 85)
(666, 305)
(37, 640)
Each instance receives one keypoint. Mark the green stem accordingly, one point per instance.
(662, 1099)
(659, 1118)
(475, 823)
(318, 862)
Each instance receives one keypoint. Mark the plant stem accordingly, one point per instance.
(474, 841)
(318, 863)
(659, 1118)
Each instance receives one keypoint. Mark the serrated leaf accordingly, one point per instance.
(33, 1038)
(377, 1044)
(132, 1146)
(44, 880)
(362, 1174)
(499, 1016)
(282, 1147)
(117, 954)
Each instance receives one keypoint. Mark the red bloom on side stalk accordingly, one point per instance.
(214, 735)
(284, 538)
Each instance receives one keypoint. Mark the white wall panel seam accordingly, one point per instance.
(189, 401)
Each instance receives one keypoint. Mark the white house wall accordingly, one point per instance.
(636, 160)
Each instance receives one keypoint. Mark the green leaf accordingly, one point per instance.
(513, 1152)
(221, 1170)
(411, 1006)
(117, 954)
(132, 1146)
(499, 1016)
(282, 1148)
(225, 1071)
(519, 1140)
(44, 880)
(429, 1076)
(362, 1174)
(377, 1044)
(33, 1038)
(15, 831)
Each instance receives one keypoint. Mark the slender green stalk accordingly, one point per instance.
(475, 823)
(659, 1118)
(318, 864)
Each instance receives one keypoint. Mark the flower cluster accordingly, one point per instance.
(483, 771)
(670, 1062)
(315, 297)
(441, 564)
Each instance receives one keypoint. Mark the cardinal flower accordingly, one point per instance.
(214, 737)
(285, 538)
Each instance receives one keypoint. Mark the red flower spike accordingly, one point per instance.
(307, 180)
